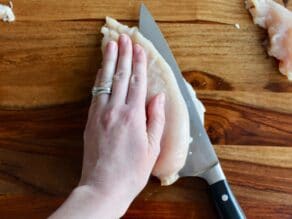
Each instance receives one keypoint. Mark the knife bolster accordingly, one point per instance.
(213, 174)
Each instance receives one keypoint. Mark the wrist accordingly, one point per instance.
(90, 202)
(119, 193)
(110, 204)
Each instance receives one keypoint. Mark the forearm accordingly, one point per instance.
(86, 203)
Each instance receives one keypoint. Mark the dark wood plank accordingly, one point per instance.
(231, 123)
(228, 121)
(50, 165)
(259, 193)
(28, 207)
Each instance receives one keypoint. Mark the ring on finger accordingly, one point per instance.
(97, 90)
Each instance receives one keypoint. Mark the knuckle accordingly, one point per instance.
(136, 79)
(108, 118)
(129, 116)
(104, 82)
(120, 75)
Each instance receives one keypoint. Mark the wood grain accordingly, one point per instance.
(227, 120)
(247, 174)
(48, 61)
(56, 61)
(31, 166)
(237, 124)
(221, 11)
(128, 10)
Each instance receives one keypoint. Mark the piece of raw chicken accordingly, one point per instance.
(278, 20)
(6, 13)
(176, 137)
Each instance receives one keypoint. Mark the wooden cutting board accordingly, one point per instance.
(48, 61)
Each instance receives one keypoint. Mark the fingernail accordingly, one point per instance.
(124, 38)
(139, 54)
(161, 99)
(112, 45)
(137, 48)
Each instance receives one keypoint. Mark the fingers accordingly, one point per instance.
(104, 77)
(129, 77)
(138, 81)
(123, 72)
(155, 124)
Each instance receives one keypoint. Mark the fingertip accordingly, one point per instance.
(137, 48)
(124, 38)
(139, 53)
(111, 52)
(160, 107)
(157, 103)
(156, 108)
(161, 99)
(111, 46)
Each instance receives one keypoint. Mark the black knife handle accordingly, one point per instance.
(226, 204)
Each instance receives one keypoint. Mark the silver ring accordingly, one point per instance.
(100, 90)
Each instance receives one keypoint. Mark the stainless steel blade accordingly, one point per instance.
(202, 156)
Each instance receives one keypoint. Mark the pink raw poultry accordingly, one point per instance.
(278, 20)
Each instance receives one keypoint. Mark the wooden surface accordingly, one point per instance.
(48, 60)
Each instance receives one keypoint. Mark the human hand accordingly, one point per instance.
(122, 137)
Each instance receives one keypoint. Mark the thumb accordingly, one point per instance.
(155, 122)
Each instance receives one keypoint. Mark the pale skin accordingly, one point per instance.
(121, 138)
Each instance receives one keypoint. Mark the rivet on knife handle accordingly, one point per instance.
(226, 204)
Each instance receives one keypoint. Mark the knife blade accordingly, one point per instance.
(202, 153)
(202, 160)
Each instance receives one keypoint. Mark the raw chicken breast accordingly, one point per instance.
(6, 13)
(278, 20)
(176, 136)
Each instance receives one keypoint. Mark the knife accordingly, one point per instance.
(202, 160)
